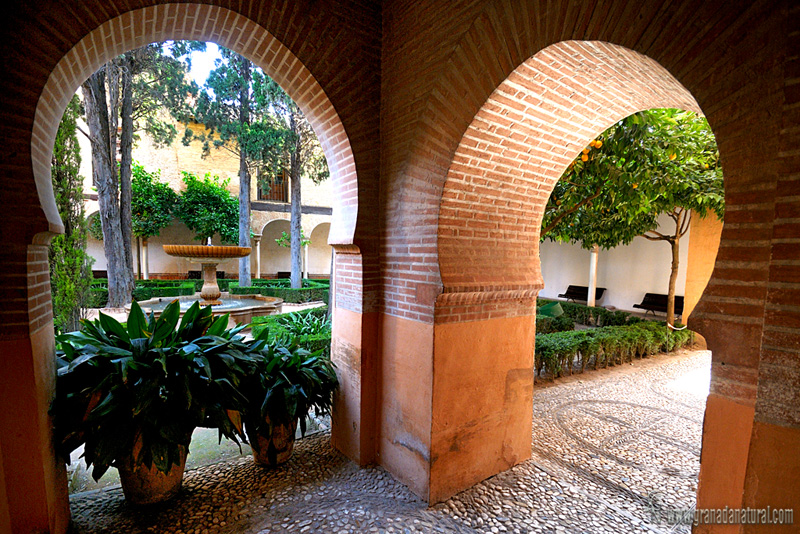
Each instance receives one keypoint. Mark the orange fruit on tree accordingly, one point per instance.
(584, 158)
(598, 144)
(672, 156)
(585, 150)
(635, 186)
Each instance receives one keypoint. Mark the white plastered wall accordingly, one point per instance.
(627, 272)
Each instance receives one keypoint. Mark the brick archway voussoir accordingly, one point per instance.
(227, 28)
(516, 148)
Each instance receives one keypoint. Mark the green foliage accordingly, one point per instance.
(151, 381)
(597, 316)
(311, 328)
(98, 297)
(160, 81)
(287, 382)
(152, 202)
(285, 240)
(95, 227)
(208, 208)
(647, 164)
(610, 345)
(263, 131)
(70, 265)
(305, 325)
(549, 325)
(310, 292)
(142, 292)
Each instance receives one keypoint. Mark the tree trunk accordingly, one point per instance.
(104, 174)
(244, 177)
(126, 157)
(295, 224)
(673, 277)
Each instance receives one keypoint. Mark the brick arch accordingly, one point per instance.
(518, 145)
(227, 28)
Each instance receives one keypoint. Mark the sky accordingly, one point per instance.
(203, 63)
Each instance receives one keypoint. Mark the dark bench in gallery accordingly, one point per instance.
(582, 293)
(656, 302)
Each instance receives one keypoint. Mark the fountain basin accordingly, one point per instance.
(206, 253)
(242, 308)
(208, 257)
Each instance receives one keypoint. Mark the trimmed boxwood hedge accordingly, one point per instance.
(605, 346)
(594, 315)
(311, 291)
(549, 325)
(162, 290)
(276, 329)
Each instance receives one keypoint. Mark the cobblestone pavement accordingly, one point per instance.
(608, 448)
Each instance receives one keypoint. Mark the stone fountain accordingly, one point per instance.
(240, 309)
(208, 257)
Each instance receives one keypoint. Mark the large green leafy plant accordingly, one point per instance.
(287, 383)
(150, 383)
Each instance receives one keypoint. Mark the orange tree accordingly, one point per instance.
(661, 161)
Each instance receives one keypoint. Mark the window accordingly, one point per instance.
(274, 188)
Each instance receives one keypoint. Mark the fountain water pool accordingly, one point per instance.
(242, 308)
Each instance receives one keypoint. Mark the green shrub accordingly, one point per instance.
(99, 296)
(594, 315)
(610, 345)
(313, 321)
(549, 325)
(310, 292)
(150, 291)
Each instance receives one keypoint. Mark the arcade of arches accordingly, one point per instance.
(446, 125)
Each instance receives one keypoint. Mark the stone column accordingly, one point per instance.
(145, 260)
(592, 276)
(257, 241)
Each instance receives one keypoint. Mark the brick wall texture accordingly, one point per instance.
(446, 123)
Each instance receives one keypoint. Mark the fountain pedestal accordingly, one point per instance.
(208, 257)
(210, 291)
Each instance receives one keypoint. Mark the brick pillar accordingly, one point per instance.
(482, 387)
(354, 351)
(33, 496)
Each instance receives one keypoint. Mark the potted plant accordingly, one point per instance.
(287, 382)
(133, 394)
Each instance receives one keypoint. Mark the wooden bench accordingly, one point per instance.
(582, 293)
(656, 302)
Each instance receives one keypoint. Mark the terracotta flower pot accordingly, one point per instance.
(148, 485)
(275, 449)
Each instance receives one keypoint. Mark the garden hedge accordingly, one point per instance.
(145, 292)
(311, 291)
(549, 325)
(99, 296)
(594, 315)
(605, 346)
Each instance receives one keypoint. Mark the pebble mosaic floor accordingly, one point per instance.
(612, 450)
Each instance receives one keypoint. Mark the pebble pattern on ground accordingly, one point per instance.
(609, 448)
